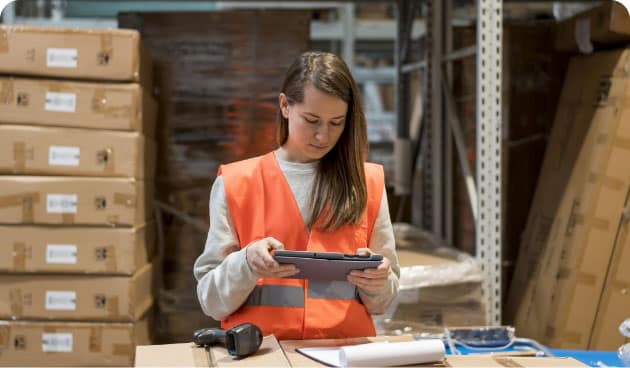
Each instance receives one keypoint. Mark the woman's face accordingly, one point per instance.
(315, 124)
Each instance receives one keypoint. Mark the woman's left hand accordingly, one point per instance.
(370, 279)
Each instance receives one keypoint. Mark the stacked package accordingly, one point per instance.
(219, 77)
(439, 287)
(76, 170)
(575, 247)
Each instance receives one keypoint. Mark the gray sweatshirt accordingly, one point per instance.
(224, 279)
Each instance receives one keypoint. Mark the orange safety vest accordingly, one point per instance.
(261, 204)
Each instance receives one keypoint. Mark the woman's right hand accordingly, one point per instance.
(260, 261)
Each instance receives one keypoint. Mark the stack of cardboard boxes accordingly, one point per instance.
(76, 165)
(570, 286)
(218, 82)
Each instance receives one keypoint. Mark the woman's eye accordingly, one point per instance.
(337, 123)
(311, 121)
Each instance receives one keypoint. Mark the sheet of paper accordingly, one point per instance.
(378, 354)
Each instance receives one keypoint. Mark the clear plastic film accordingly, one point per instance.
(457, 267)
(439, 286)
(624, 351)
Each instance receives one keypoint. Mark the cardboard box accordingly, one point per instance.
(72, 200)
(96, 54)
(115, 106)
(71, 297)
(606, 24)
(49, 249)
(576, 246)
(270, 354)
(284, 354)
(615, 301)
(29, 343)
(79, 152)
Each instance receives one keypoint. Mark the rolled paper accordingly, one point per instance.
(387, 354)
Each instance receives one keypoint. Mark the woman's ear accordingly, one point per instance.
(284, 105)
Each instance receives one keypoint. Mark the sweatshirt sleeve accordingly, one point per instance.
(382, 242)
(224, 279)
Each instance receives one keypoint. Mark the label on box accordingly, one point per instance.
(61, 254)
(57, 342)
(64, 156)
(57, 101)
(61, 58)
(61, 203)
(61, 300)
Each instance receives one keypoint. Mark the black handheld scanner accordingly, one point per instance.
(240, 341)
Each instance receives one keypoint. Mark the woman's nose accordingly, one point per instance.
(322, 134)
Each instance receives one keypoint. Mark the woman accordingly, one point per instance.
(316, 193)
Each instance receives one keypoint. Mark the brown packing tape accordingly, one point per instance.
(110, 260)
(14, 200)
(50, 329)
(506, 362)
(7, 92)
(112, 219)
(107, 51)
(602, 138)
(137, 115)
(5, 338)
(108, 161)
(96, 339)
(612, 183)
(122, 349)
(19, 256)
(606, 181)
(112, 306)
(15, 297)
(124, 199)
(100, 104)
(67, 218)
(4, 40)
(600, 224)
(26, 200)
(580, 277)
(27, 208)
(19, 159)
(53, 86)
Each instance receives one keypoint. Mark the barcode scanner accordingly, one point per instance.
(241, 341)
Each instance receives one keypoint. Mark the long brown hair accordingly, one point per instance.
(340, 192)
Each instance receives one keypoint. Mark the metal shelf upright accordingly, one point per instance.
(442, 127)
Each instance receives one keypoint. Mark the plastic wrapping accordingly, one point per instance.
(458, 267)
(624, 351)
(439, 286)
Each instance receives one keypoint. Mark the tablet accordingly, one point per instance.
(326, 266)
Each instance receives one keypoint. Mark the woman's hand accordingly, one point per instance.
(261, 262)
(370, 279)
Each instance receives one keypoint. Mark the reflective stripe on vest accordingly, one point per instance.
(277, 296)
(332, 290)
(293, 296)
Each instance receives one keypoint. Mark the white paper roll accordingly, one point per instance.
(385, 354)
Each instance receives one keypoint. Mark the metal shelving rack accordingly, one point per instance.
(484, 192)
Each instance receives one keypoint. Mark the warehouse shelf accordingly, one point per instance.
(485, 189)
